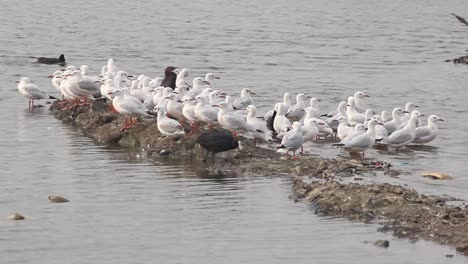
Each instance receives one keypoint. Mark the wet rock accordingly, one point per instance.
(382, 243)
(401, 210)
(57, 199)
(437, 175)
(16, 217)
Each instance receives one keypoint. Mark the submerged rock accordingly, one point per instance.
(57, 199)
(382, 243)
(16, 217)
(437, 175)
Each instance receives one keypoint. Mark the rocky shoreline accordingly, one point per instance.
(400, 210)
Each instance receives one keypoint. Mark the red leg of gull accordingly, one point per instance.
(294, 154)
(234, 134)
(210, 127)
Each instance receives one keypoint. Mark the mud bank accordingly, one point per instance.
(459, 60)
(402, 211)
(96, 122)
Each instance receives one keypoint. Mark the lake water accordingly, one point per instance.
(126, 209)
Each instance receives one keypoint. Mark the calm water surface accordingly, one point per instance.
(125, 209)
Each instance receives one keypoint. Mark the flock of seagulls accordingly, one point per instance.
(176, 102)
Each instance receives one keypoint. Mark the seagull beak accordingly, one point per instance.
(216, 77)
(366, 95)
(308, 97)
(110, 93)
(406, 112)
(17, 81)
(50, 76)
(222, 96)
(215, 105)
(175, 92)
(379, 123)
(440, 119)
(416, 106)
(206, 82)
(421, 115)
(253, 93)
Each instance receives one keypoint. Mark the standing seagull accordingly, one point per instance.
(426, 134)
(361, 142)
(292, 140)
(31, 91)
(404, 136)
(245, 99)
(170, 77)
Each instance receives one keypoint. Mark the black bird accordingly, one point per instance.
(461, 19)
(169, 77)
(270, 119)
(218, 140)
(60, 60)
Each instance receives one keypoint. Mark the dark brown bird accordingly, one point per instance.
(461, 19)
(218, 140)
(60, 60)
(169, 77)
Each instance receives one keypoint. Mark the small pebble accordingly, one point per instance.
(16, 216)
(57, 199)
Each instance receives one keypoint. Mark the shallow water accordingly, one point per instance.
(125, 209)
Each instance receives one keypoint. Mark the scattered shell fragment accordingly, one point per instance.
(57, 199)
(437, 175)
(16, 216)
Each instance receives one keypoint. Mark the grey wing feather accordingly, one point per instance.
(397, 137)
(88, 85)
(361, 141)
(423, 132)
(242, 102)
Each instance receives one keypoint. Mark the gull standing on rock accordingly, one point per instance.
(359, 101)
(296, 112)
(57, 78)
(245, 99)
(198, 87)
(281, 122)
(310, 130)
(425, 134)
(234, 123)
(31, 91)
(354, 117)
(380, 130)
(167, 126)
(292, 140)
(128, 106)
(343, 128)
(332, 121)
(258, 124)
(180, 79)
(314, 104)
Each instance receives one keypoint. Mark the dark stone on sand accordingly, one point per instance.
(382, 243)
